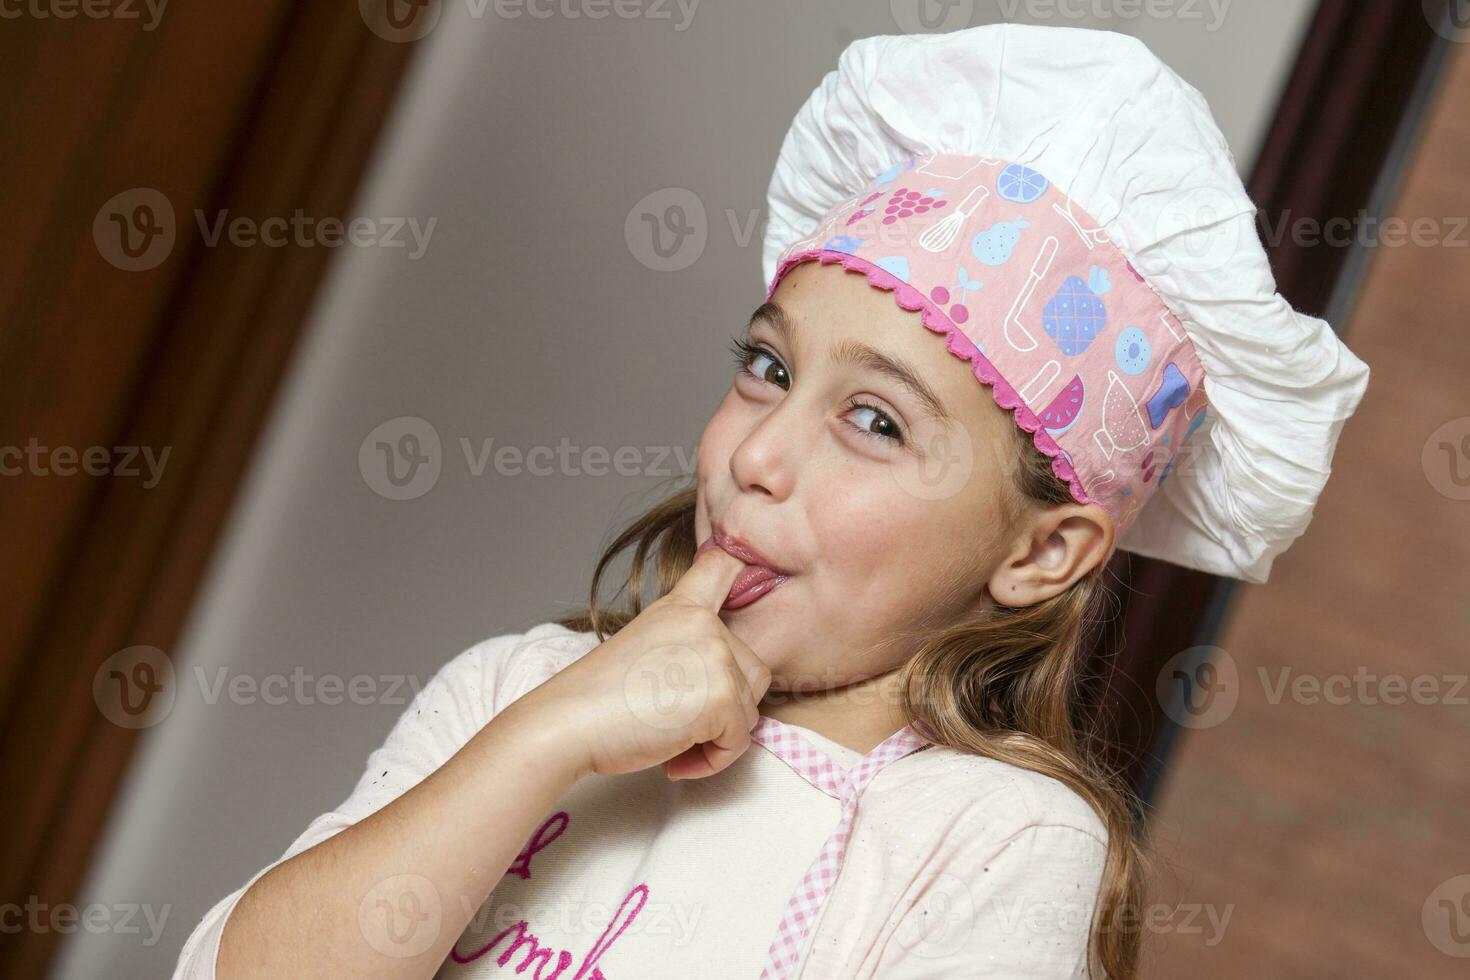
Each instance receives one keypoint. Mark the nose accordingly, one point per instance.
(765, 460)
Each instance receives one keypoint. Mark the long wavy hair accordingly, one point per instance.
(1008, 684)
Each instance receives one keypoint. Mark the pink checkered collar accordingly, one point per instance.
(787, 743)
(818, 768)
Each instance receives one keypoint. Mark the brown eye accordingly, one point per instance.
(773, 371)
(760, 363)
(880, 425)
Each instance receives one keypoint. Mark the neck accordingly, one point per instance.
(860, 715)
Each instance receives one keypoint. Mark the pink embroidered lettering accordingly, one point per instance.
(522, 864)
(564, 958)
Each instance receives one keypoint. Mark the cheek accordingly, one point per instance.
(720, 437)
(886, 550)
(875, 537)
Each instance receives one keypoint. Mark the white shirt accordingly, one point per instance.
(956, 865)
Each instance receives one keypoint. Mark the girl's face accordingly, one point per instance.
(889, 501)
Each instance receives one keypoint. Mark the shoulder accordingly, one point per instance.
(512, 664)
(472, 687)
(1012, 862)
(994, 801)
(542, 651)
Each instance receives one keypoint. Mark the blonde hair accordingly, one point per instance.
(973, 686)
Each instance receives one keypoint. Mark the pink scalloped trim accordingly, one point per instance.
(957, 344)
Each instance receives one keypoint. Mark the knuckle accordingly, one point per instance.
(721, 660)
(712, 648)
(728, 685)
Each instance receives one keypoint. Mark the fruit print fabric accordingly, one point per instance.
(1020, 184)
(1133, 351)
(1074, 316)
(905, 202)
(995, 246)
(1053, 318)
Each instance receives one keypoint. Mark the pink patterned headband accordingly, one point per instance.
(1027, 287)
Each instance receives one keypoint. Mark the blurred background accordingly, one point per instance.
(340, 336)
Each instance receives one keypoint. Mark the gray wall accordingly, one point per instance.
(527, 320)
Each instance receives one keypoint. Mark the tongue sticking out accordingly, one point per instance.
(750, 575)
(753, 582)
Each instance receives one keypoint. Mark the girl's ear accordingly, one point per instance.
(1055, 546)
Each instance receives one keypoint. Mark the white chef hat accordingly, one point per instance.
(1137, 148)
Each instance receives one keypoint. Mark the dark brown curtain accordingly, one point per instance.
(126, 335)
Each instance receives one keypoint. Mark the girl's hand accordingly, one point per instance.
(674, 686)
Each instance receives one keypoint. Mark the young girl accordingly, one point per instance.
(1014, 294)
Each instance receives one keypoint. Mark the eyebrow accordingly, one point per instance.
(861, 355)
